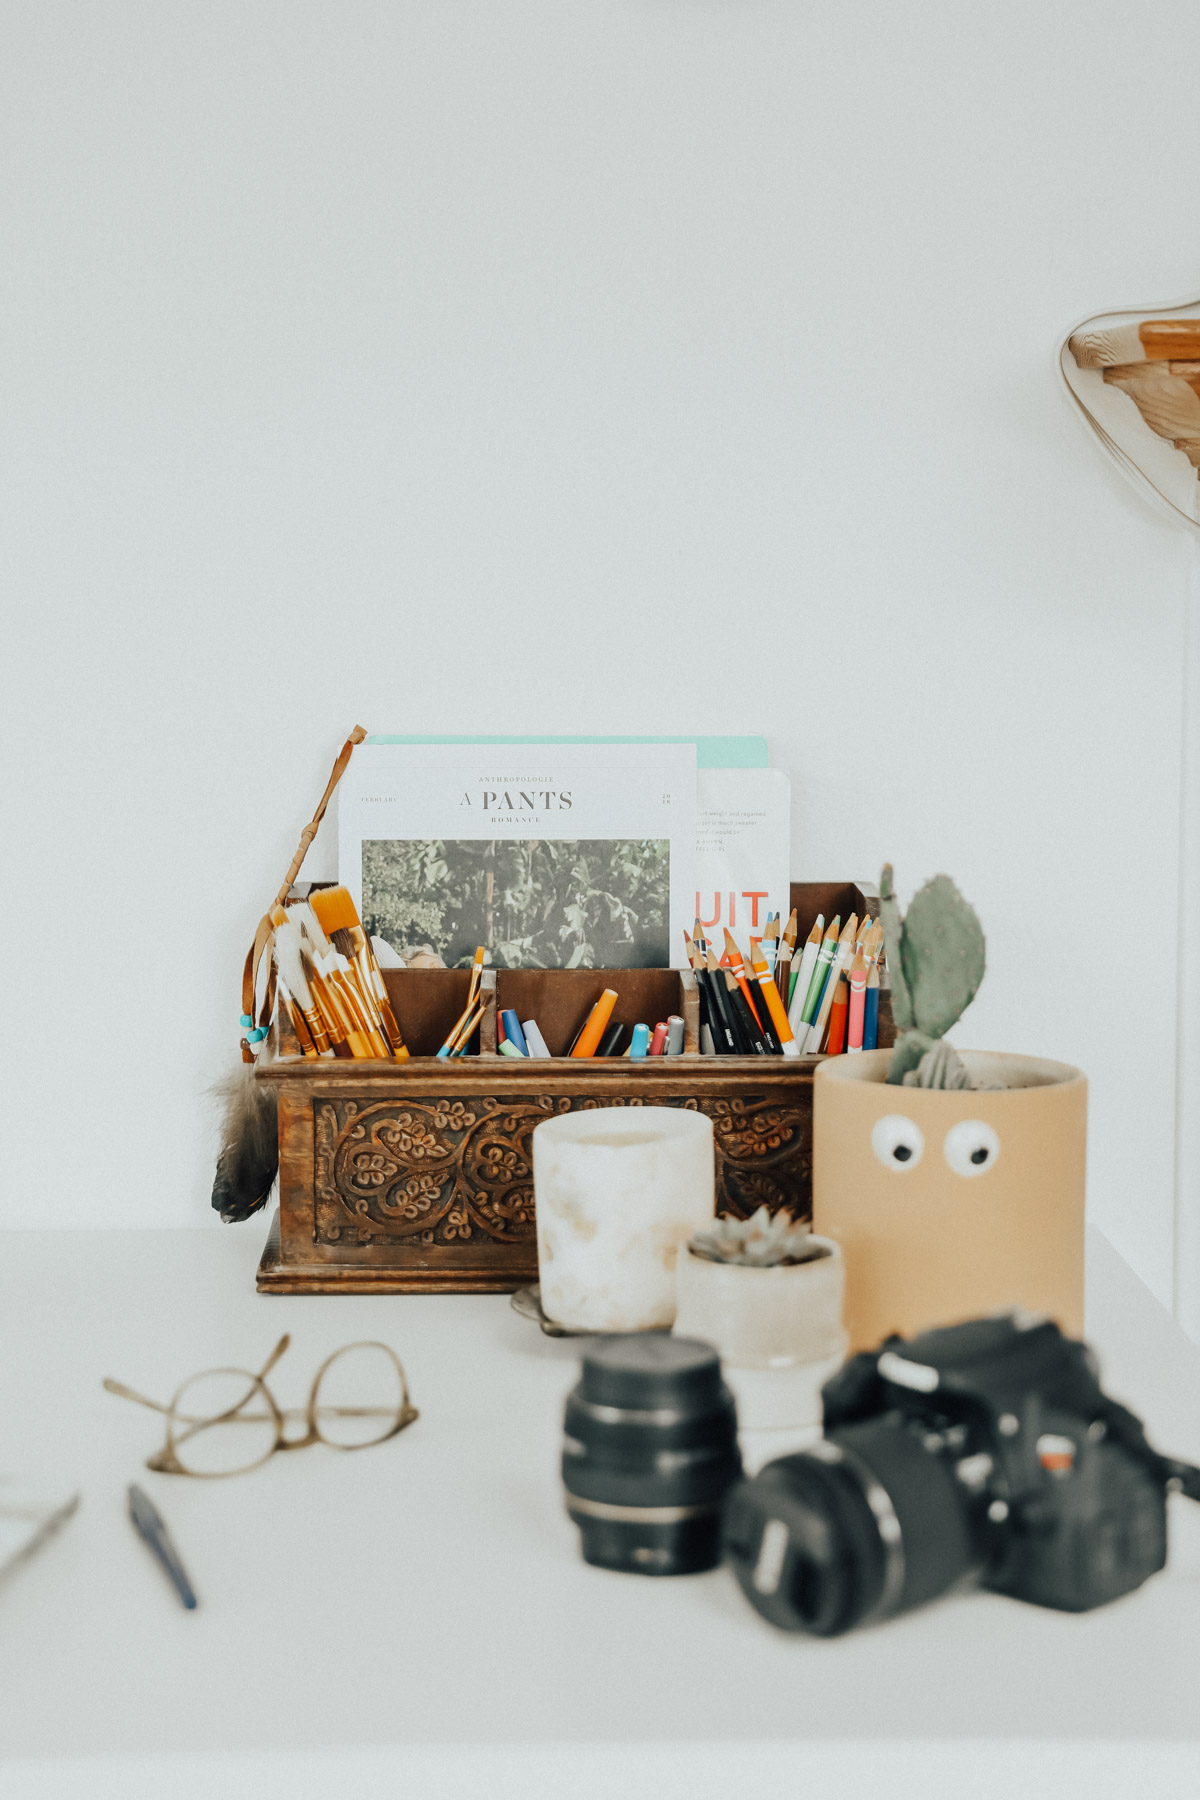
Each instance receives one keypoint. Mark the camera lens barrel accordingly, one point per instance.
(868, 1523)
(649, 1454)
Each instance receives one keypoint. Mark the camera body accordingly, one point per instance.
(984, 1451)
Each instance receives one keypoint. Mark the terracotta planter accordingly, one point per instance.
(948, 1205)
(778, 1332)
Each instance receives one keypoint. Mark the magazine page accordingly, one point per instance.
(550, 855)
(743, 850)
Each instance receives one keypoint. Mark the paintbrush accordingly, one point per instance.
(345, 1039)
(338, 918)
(306, 1019)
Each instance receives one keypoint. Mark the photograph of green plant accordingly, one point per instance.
(531, 902)
(535, 903)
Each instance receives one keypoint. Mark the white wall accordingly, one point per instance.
(576, 365)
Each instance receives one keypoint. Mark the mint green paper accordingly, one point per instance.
(711, 752)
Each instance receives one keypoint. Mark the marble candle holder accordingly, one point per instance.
(617, 1191)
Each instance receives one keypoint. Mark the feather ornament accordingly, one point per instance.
(248, 1161)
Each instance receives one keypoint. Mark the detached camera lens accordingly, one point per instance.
(866, 1524)
(649, 1453)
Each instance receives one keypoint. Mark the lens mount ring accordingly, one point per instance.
(639, 1515)
(891, 1536)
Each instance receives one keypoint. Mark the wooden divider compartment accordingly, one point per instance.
(416, 1176)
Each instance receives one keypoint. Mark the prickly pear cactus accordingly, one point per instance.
(936, 956)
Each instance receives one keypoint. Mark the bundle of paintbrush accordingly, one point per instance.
(771, 1003)
(330, 981)
(483, 982)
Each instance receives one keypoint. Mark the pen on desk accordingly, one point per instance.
(149, 1525)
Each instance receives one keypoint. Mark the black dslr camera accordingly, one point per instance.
(982, 1451)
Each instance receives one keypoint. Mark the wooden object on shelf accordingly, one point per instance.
(416, 1176)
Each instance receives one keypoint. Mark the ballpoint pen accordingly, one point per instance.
(149, 1525)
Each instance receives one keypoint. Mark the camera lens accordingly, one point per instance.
(868, 1523)
(649, 1453)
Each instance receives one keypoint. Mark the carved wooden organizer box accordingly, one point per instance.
(418, 1176)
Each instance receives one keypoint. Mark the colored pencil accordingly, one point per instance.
(871, 1009)
(802, 973)
(838, 1014)
(773, 1005)
(722, 1012)
(781, 974)
(770, 942)
(821, 968)
(858, 999)
(841, 961)
(758, 1010)
(741, 1009)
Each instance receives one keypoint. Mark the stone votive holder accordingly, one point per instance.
(617, 1192)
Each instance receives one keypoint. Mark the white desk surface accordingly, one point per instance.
(428, 1596)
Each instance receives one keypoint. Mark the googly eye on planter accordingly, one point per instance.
(898, 1141)
(971, 1147)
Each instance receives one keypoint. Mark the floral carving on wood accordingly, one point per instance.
(436, 1172)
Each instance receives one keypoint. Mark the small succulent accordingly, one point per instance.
(936, 957)
(763, 1241)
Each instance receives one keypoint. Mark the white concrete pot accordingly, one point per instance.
(617, 1191)
(778, 1331)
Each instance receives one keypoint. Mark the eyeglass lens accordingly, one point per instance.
(359, 1397)
(222, 1423)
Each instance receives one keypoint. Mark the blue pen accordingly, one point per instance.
(512, 1031)
(640, 1044)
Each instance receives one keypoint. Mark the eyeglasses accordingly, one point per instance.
(227, 1422)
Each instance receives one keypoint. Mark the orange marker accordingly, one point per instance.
(837, 1016)
(858, 1002)
(774, 1005)
(589, 1038)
